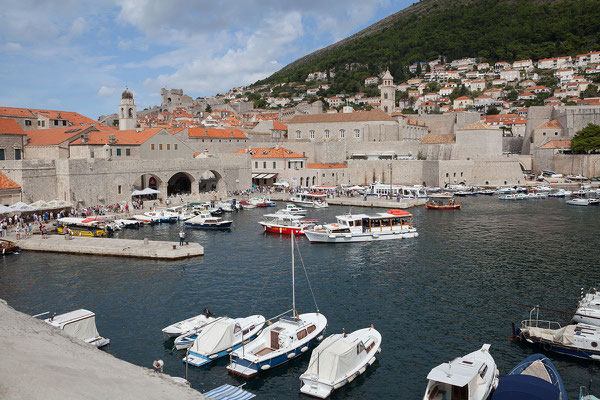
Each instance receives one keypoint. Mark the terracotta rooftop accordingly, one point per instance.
(373, 115)
(325, 166)
(16, 112)
(212, 133)
(279, 126)
(274, 152)
(56, 136)
(432, 138)
(6, 183)
(10, 126)
(552, 124)
(556, 144)
(129, 137)
(477, 126)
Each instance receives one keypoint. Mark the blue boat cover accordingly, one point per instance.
(228, 392)
(525, 387)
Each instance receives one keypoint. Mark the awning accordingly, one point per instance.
(144, 192)
(263, 176)
(228, 392)
(255, 175)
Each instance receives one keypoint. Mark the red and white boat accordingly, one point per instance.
(286, 224)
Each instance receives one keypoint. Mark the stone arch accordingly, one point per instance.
(180, 183)
(314, 180)
(210, 180)
(130, 112)
(122, 112)
(301, 181)
(150, 180)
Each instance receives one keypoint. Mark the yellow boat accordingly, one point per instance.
(90, 227)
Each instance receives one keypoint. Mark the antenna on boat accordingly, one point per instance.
(293, 279)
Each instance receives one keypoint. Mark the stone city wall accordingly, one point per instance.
(567, 164)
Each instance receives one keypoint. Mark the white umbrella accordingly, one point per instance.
(40, 205)
(21, 207)
(58, 203)
(144, 192)
(355, 188)
(5, 210)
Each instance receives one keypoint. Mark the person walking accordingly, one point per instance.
(181, 237)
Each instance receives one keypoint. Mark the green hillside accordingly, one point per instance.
(491, 29)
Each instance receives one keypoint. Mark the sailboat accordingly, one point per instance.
(287, 338)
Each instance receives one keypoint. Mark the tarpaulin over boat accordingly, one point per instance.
(525, 387)
(333, 359)
(215, 337)
(79, 323)
(228, 392)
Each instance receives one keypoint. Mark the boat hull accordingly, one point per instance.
(283, 230)
(198, 360)
(324, 237)
(584, 354)
(444, 207)
(224, 225)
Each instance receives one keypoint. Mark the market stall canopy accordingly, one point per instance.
(40, 205)
(284, 184)
(355, 188)
(58, 203)
(144, 192)
(21, 207)
(5, 210)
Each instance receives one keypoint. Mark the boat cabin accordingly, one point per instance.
(81, 226)
(79, 323)
(458, 380)
(372, 223)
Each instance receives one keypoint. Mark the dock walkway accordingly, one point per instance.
(158, 250)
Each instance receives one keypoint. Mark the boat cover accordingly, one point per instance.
(525, 387)
(562, 335)
(333, 359)
(228, 392)
(79, 323)
(215, 337)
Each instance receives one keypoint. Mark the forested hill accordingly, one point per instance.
(495, 30)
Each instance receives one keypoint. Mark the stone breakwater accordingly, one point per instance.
(38, 361)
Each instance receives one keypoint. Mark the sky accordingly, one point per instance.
(79, 55)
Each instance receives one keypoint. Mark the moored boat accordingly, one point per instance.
(533, 378)
(246, 204)
(338, 360)
(8, 247)
(181, 327)
(471, 377)
(91, 227)
(285, 224)
(310, 200)
(80, 324)
(440, 204)
(292, 209)
(581, 201)
(207, 221)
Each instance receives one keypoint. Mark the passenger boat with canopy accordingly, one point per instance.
(221, 337)
(310, 199)
(285, 224)
(80, 324)
(91, 227)
(287, 338)
(471, 377)
(395, 224)
(443, 203)
(338, 360)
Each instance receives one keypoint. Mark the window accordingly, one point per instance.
(555, 133)
(274, 164)
(55, 122)
(360, 347)
(326, 133)
(110, 152)
(301, 164)
(127, 152)
(544, 133)
(2, 154)
(160, 146)
(175, 146)
(119, 152)
(342, 133)
(298, 135)
(301, 334)
(357, 133)
(27, 122)
(264, 165)
(152, 146)
(312, 134)
(119, 189)
(311, 329)
(64, 123)
(446, 174)
(17, 154)
(289, 164)
(256, 164)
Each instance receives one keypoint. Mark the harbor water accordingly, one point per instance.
(433, 298)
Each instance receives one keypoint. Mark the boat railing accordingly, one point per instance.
(538, 323)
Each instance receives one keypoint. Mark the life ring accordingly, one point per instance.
(547, 347)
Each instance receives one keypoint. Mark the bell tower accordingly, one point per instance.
(127, 112)
(388, 93)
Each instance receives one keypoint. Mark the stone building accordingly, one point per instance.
(31, 118)
(330, 174)
(213, 140)
(173, 98)
(10, 192)
(12, 140)
(127, 111)
(478, 141)
(52, 144)
(388, 93)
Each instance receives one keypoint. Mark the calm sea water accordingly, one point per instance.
(433, 298)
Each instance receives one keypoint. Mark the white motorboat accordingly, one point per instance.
(207, 221)
(181, 327)
(580, 201)
(221, 337)
(80, 324)
(287, 338)
(181, 213)
(285, 224)
(472, 377)
(561, 193)
(338, 360)
(162, 215)
(395, 224)
(310, 200)
(128, 223)
(147, 219)
(292, 209)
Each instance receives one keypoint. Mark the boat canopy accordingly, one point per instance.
(215, 337)
(456, 373)
(525, 387)
(79, 323)
(79, 221)
(334, 359)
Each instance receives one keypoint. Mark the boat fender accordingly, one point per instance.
(291, 355)
(245, 342)
(547, 347)
(229, 349)
(371, 361)
(339, 385)
(265, 367)
(320, 338)
(304, 349)
(213, 356)
(379, 350)
(350, 379)
(259, 332)
(363, 369)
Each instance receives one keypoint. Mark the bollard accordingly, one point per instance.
(174, 247)
(187, 243)
(146, 240)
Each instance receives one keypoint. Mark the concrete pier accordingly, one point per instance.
(111, 247)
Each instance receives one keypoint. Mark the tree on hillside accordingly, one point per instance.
(208, 108)
(587, 139)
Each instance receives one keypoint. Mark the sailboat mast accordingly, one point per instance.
(293, 279)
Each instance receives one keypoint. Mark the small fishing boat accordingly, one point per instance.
(440, 204)
(246, 204)
(292, 209)
(80, 324)
(464, 193)
(221, 337)
(285, 224)
(472, 377)
(486, 192)
(560, 193)
(205, 221)
(310, 200)
(445, 195)
(533, 378)
(582, 201)
(181, 327)
(91, 227)
(8, 247)
(338, 360)
(148, 220)
(128, 223)
(162, 215)
(395, 224)
(287, 338)
(576, 340)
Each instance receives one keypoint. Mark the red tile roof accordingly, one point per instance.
(274, 152)
(279, 126)
(16, 112)
(6, 183)
(213, 133)
(552, 124)
(129, 137)
(56, 136)
(10, 126)
(325, 166)
(556, 144)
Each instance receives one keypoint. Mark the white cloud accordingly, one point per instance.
(78, 27)
(12, 47)
(106, 91)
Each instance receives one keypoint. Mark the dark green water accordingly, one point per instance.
(433, 298)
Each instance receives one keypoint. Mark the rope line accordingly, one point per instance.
(308, 280)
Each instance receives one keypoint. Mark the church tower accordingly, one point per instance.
(388, 93)
(127, 112)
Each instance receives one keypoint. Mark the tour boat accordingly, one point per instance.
(221, 337)
(181, 327)
(577, 340)
(8, 247)
(310, 200)
(91, 227)
(80, 324)
(280, 342)
(395, 224)
(204, 221)
(533, 378)
(285, 224)
(472, 377)
(441, 205)
(162, 216)
(338, 360)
